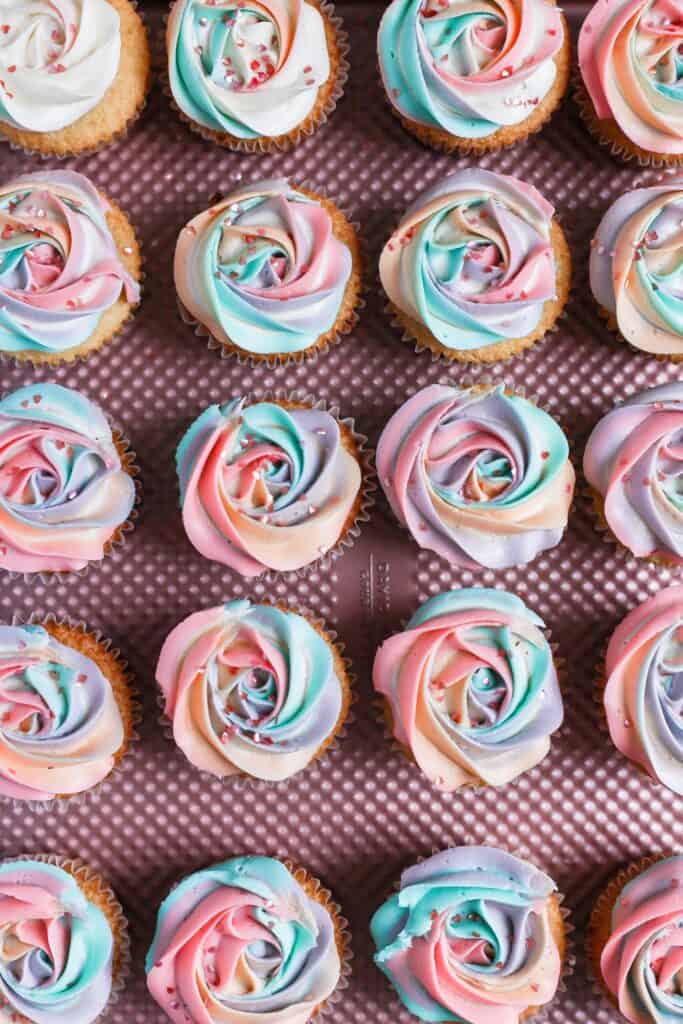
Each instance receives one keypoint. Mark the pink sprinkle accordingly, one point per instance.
(37, 399)
(12, 68)
(5, 29)
(310, 81)
(396, 93)
(308, 69)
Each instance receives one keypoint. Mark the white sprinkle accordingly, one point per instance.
(127, 249)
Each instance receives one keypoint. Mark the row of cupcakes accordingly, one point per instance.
(477, 271)
(470, 934)
(263, 75)
(469, 689)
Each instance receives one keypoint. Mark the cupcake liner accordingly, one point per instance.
(619, 144)
(330, 744)
(122, 758)
(310, 126)
(83, 352)
(410, 330)
(118, 539)
(90, 881)
(113, 139)
(603, 906)
(334, 336)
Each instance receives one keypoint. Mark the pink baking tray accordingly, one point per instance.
(366, 813)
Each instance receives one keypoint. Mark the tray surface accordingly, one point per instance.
(365, 813)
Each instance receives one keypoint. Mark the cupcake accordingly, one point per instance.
(630, 90)
(269, 485)
(473, 80)
(271, 272)
(66, 485)
(471, 689)
(72, 76)
(69, 268)
(635, 268)
(252, 690)
(250, 939)
(66, 711)
(478, 270)
(640, 688)
(631, 463)
(479, 475)
(635, 939)
(256, 77)
(472, 935)
(65, 948)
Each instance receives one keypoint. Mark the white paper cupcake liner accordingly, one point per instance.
(292, 139)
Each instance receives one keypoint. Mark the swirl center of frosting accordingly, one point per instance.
(238, 46)
(462, 42)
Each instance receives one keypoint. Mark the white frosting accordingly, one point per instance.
(57, 60)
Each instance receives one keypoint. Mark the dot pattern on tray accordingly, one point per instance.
(365, 812)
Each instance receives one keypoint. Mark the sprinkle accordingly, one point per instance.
(308, 69)
(12, 68)
(81, 677)
(310, 81)
(506, 72)
(545, 455)
(37, 399)
(312, 510)
(627, 724)
(128, 249)
(5, 29)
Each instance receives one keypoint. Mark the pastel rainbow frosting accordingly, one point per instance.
(470, 937)
(56, 947)
(632, 461)
(263, 269)
(478, 475)
(472, 688)
(472, 260)
(57, 60)
(641, 963)
(60, 725)
(264, 486)
(469, 68)
(644, 687)
(63, 490)
(242, 942)
(59, 266)
(636, 266)
(251, 689)
(629, 55)
(247, 69)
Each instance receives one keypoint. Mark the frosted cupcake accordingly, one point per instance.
(72, 76)
(272, 272)
(66, 711)
(641, 687)
(69, 268)
(479, 475)
(256, 77)
(472, 935)
(471, 689)
(635, 939)
(632, 464)
(636, 268)
(473, 79)
(66, 485)
(252, 690)
(65, 949)
(249, 939)
(630, 95)
(478, 269)
(270, 485)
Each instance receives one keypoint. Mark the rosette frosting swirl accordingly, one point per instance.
(266, 486)
(242, 942)
(636, 266)
(57, 60)
(63, 490)
(248, 68)
(629, 54)
(642, 962)
(644, 689)
(471, 937)
(56, 947)
(263, 269)
(59, 265)
(60, 725)
(468, 67)
(633, 461)
(479, 476)
(472, 688)
(251, 689)
(473, 260)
